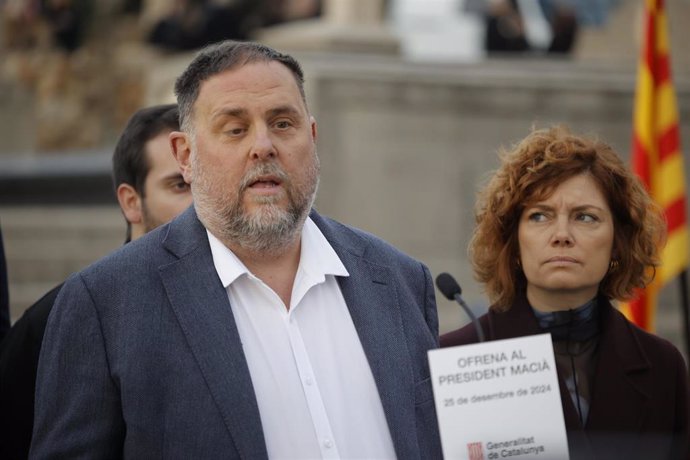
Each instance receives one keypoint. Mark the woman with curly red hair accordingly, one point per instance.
(563, 228)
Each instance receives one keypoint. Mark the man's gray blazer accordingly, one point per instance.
(142, 358)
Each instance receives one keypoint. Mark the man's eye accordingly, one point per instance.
(283, 124)
(181, 186)
(233, 129)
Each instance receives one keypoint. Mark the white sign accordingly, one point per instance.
(499, 399)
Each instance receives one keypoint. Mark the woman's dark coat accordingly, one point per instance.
(639, 405)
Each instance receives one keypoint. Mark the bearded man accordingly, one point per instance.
(250, 326)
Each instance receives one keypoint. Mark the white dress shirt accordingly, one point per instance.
(316, 394)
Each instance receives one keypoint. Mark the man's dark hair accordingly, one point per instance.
(220, 57)
(131, 165)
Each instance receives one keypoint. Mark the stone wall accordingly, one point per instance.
(45, 244)
(403, 150)
(404, 147)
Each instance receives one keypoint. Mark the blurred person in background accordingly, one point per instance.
(563, 228)
(148, 183)
(151, 191)
(68, 21)
(561, 16)
(20, 23)
(508, 25)
(275, 12)
(191, 24)
(505, 27)
(195, 23)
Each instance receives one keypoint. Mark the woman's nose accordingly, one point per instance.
(562, 236)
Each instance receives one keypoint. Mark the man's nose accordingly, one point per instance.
(262, 146)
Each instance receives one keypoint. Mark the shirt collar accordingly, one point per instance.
(317, 257)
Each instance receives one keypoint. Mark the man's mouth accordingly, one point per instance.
(265, 183)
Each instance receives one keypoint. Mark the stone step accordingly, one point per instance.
(45, 244)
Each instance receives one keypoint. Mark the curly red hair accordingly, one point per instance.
(530, 171)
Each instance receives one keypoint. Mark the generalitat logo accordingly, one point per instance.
(475, 451)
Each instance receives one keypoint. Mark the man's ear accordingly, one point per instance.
(182, 150)
(314, 129)
(130, 203)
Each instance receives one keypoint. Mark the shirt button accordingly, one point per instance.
(328, 443)
(308, 381)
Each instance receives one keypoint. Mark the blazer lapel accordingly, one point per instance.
(618, 394)
(376, 315)
(372, 300)
(201, 306)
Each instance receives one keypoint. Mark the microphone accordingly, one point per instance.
(451, 289)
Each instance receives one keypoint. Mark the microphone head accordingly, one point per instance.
(448, 286)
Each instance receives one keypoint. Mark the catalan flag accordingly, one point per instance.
(656, 155)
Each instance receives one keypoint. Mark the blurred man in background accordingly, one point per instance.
(151, 191)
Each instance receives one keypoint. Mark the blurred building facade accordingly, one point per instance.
(405, 139)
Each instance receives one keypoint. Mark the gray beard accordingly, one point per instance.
(270, 228)
(266, 231)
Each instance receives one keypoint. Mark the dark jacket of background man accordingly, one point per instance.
(4, 293)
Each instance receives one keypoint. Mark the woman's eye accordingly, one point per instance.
(537, 217)
(584, 217)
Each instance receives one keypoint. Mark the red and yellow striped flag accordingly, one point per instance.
(657, 157)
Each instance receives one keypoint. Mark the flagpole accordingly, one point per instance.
(685, 306)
